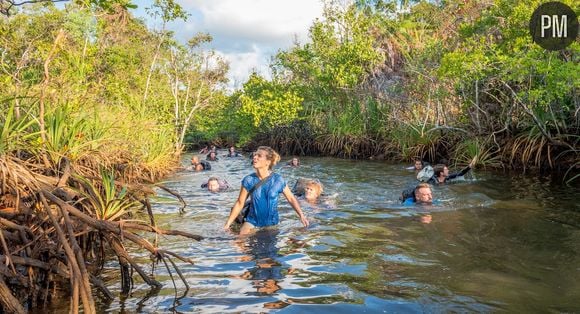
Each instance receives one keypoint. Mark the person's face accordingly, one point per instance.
(232, 149)
(194, 160)
(212, 155)
(213, 186)
(424, 196)
(311, 192)
(445, 172)
(260, 159)
(294, 161)
(418, 165)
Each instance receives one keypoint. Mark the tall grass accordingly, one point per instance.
(414, 140)
(486, 153)
(14, 133)
(67, 135)
(530, 148)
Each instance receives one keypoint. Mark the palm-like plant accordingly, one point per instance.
(105, 200)
(413, 140)
(14, 133)
(67, 136)
(478, 148)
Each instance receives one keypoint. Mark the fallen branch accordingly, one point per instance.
(9, 303)
(181, 200)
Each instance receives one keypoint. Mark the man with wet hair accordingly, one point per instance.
(215, 185)
(441, 173)
(421, 195)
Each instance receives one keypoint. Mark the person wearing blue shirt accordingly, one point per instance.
(264, 209)
(421, 196)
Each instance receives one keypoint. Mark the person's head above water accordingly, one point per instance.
(312, 190)
(232, 149)
(418, 164)
(212, 156)
(441, 171)
(194, 160)
(423, 194)
(213, 184)
(265, 157)
(294, 162)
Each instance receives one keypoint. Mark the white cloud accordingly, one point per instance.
(248, 32)
(244, 63)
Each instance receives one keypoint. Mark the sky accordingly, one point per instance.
(247, 33)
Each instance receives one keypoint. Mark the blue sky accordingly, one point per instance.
(245, 32)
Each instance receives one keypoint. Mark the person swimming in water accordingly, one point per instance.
(197, 165)
(232, 153)
(212, 156)
(309, 189)
(441, 173)
(418, 165)
(294, 162)
(216, 185)
(265, 187)
(421, 195)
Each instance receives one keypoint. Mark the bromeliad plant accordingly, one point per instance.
(107, 202)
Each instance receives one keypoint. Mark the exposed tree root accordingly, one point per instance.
(50, 233)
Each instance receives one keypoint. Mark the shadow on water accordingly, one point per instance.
(500, 242)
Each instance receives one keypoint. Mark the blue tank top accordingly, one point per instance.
(264, 210)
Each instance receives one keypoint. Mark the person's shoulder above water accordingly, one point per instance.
(212, 156)
(441, 172)
(232, 153)
(197, 165)
(421, 194)
(418, 164)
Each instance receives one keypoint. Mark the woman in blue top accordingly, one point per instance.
(264, 209)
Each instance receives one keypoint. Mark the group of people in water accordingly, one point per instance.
(257, 203)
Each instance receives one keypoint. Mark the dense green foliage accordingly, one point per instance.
(99, 83)
(444, 79)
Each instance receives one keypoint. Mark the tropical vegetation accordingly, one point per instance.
(95, 107)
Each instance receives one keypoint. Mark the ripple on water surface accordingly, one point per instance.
(496, 243)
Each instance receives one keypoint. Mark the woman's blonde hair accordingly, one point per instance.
(271, 155)
(318, 186)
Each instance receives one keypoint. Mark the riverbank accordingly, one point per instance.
(61, 225)
(520, 152)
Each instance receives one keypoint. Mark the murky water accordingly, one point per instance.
(497, 243)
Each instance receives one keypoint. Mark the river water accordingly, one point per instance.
(497, 243)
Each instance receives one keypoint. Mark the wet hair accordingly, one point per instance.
(317, 184)
(213, 179)
(297, 159)
(271, 155)
(438, 169)
(422, 186)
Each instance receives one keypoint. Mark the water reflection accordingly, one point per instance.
(261, 248)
